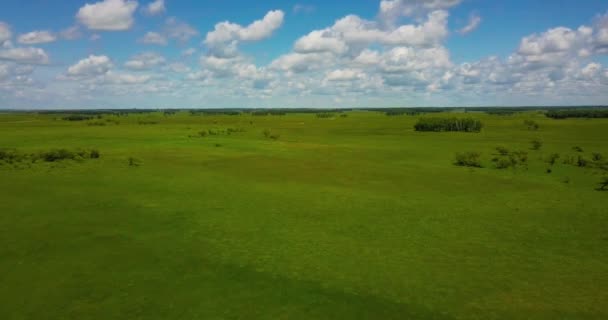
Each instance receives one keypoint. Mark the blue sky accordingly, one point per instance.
(238, 53)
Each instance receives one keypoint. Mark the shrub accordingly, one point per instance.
(147, 122)
(532, 125)
(267, 133)
(448, 124)
(597, 157)
(96, 123)
(552, 158)
(77, 118)
(468, 159)
(577, 149)
(325, 115)
(343, 115)
(503, 163)
(58, 155)
(536, 144)
(582, 162)
(134, 162)
(94, 154)
(502, 151)
(603, 184)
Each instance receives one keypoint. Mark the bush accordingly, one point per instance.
(147, 122)
(582, 162)
(597, 157)
(77, 118)
(94, 154)
(552, 158)
(58, 155)
(603, 184)
(133, 162)
(536, 144)
(448, 124)
(468, 159)
(532, 125)
(96, 123)
(502, 151)
(577, 149)
(325, 115)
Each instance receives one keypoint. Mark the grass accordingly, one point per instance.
(356, 218)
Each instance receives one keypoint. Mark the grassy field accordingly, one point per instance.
(356, 217)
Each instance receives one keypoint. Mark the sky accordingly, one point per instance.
(74, 54)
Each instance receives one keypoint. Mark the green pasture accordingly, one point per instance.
(341, 217)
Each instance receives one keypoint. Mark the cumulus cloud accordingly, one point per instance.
(179, 30)
(5, 32)
(90, 67)
(344, 75)
(108, 15)
(154, 38)
(116, 78)
(155, 8)
(145, 61)
(391, 10)
(27, 55)
(353, 32)
(223, 40)
(36, 37)
(71, 33)
(188, 52)
(474, 22)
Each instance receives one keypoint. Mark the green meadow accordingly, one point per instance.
(352, 215)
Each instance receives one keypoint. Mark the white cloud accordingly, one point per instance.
(178, 30)
(154, 38)
(298, 62)
(344, 75)
(188, 52)
(391, 10)
(36, 37)
(123, 78)
(352, 32)
(474, 22)
(145, 61)
(222, 41)
(90, 67)
(28, 55)
(155, 8)
(108, 15)
(71, 33)
(5, 32)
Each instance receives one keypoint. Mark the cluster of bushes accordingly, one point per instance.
(536, 144)
(77, 117)
(268, 134)
(582, 113)
(500, 112)
(325, 115)
(11, 156)
(220, 132)
(448, 124)
(579, 160)
(394, 113)
(468, 159)
(147, 122)
(532, 125)
(269, 113)
(510, 159)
